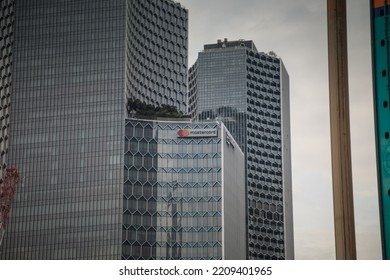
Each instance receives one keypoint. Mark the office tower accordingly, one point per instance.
(184, 192)
(249, 92)
(67, 69)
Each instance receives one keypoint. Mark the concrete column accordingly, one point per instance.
(340, 131)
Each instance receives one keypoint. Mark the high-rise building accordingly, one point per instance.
(184, 192)
(67, 68)
(249, 92)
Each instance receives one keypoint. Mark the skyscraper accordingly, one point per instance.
(67, 69)
(249, 92)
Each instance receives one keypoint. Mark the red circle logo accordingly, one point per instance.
(183, 133)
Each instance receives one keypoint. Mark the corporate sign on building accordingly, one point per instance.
(197, 133)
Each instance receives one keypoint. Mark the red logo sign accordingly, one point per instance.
(183, 133)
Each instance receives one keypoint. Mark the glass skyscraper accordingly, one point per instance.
(249, 92)
(184, 192)
(67, 69)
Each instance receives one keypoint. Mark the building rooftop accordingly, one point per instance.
(231, 44)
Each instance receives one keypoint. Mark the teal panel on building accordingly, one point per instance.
(380, 48)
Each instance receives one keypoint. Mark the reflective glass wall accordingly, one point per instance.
(66, 136)
(73, 64)
(220, 84)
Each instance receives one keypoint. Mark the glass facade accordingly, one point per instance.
(223, 74)
(173, 193)
(65, 130)
(73, 63)
(233, 82)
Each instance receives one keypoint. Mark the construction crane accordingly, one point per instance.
(7, 192)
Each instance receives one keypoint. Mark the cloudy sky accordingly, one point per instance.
(297, 32)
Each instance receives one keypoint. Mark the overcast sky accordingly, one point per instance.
(297, 32)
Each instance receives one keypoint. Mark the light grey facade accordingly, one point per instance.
(249, 91)
(286, 165)
(68, 67)
(184, 192)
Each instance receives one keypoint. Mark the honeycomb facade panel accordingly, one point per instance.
(6, 57)
(175, 209)
(157, 53)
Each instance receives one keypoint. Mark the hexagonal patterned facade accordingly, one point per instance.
(6, 42)
(157, 43)
(177, 183)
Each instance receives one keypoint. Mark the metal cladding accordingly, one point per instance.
(157, 43)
